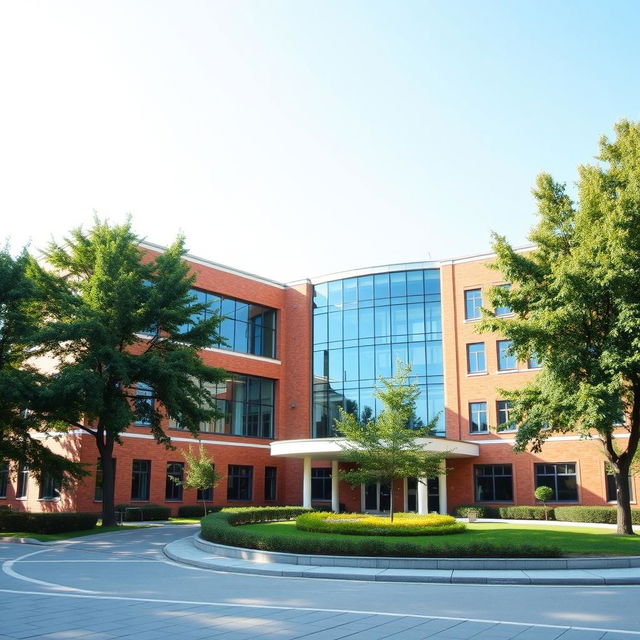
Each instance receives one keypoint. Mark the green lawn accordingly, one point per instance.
(571, 540)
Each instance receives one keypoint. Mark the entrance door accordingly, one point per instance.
(433, 495)
(377, 497)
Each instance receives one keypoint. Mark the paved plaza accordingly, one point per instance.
(123, 586)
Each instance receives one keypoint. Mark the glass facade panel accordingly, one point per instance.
(362, 326)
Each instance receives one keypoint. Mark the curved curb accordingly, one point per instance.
(21, 540)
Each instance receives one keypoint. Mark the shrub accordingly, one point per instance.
(46, 522)
(195, 510)
(526, 512)
(607, 515)
(218, 527)
(482, 510)
(131, 512)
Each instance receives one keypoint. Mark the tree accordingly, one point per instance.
(576, 304)
(118, 321)
(544, 494)
(385, 449)
(23, 391)
(201, 473)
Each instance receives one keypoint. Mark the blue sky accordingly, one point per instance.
(293, 138)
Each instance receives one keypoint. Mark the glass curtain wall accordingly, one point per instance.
(361, 327)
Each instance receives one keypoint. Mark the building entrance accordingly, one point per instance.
(433, 495)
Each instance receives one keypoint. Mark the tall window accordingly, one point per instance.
(478, 417)
(173, 483)
(476, 361)
(612, 492)
(140, 479)
(270, 483)
(99, 479)
(239, 482)
(204, 495)
(23, 481)
(493, 483)
(4, 479)
(561, 477)
(321, 483)
(472, 304)
(49, 488)
(503, 411)
(503, 311)
(143, 404)
(506, 360)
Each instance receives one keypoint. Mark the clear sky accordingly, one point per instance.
(292, 138)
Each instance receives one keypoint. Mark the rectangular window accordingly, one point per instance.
(173, 483)
(503, 311)
(143, 404)
(503, 411)
(493, 483)
(478, 417)
(98, 491)
(204, 495)
(239, 482)
(612, 493)
(23, 481)
(472, 304)
(476, 361)
(140, 479)
(534, 362)
(4, 479)
(49, 488)
(506, 360)
(562, 479)
(270, 483)
(321, 484)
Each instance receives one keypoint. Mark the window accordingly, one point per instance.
(506, 360)
(503, 411)
(478, 417)
(49, 488)
(4, 479)
(23, 481)
(204, 495)
(534, 362)
(140, 479)
(476, 361)
(270, 483)
(143, 404)
(472, 304)
(321, 484)
(493, 483)
(503, 311)
(611, 485)
(561, 477)
(239, 482)
(173, 483)
(98, 491)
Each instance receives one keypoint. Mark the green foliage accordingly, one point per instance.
(195, 511)
(526, 512)
(132, 512)
(405, 524)
(385, 449)
(46, 522)
(482, 511)
(543, 493)
(576, 300)
(605, 515)
(200, 473)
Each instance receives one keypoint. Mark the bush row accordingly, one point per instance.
(46, 522)
(607, 515)
(219, 527)
(131, 512)
(195, 511)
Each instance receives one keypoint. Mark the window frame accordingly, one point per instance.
(610, 486)
(501, 357)
(270, 483)
(493, 476)
(239, 486)
(473, 411)
(476, 356)
(22, 486)
(556, 475)
(173, 489)
(321, 484)
(138, 476)
(4, 479)
(471, 304)
(500, 411)
(48, 489)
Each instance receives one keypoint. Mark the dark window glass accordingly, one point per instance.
(506, 360)
(561, 477)
(140, 479)
(204, 495)
(503, 411)
(270, 483)
(476, 361)
(49, 488)
(23, 481)
(98, 491)
(493, 483)
(4, 479)
(239, 482)
(321, 484)
(478, 417)
(173, 483)
(472, 304)
(143, 404)
(612, 492)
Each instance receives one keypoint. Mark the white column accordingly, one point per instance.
(306, 482)
(423, 496)
(335, 498)
(442, 490)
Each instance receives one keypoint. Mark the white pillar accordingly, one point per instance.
(442, 490)
(306, 482)
(335, 498)
(423, 496)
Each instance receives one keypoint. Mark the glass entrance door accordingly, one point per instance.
(377, 497)
(433, 495)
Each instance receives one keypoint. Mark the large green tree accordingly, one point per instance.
(117, 321)
(23, 389)
(385, 449)
(576, 304)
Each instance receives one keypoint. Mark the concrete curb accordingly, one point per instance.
(21, 540)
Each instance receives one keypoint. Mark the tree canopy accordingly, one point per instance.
(200, 473)
(576, 304)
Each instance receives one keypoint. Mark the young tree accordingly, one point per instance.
(576, 304)
(117, 321)
(23, 391)
(385, 449)
(201, 473)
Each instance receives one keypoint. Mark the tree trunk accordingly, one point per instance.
(204, 506)
(391, 505)
(108, 483)
(624, 522)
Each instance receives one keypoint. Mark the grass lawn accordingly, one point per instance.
(571, 540)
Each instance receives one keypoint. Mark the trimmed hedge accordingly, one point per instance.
(483, 511)
(219, 527)
(149, 512)
(195, 511)
(12, 521)
(606, 515)
(526, 512)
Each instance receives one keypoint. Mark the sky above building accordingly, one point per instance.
(292, 138)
